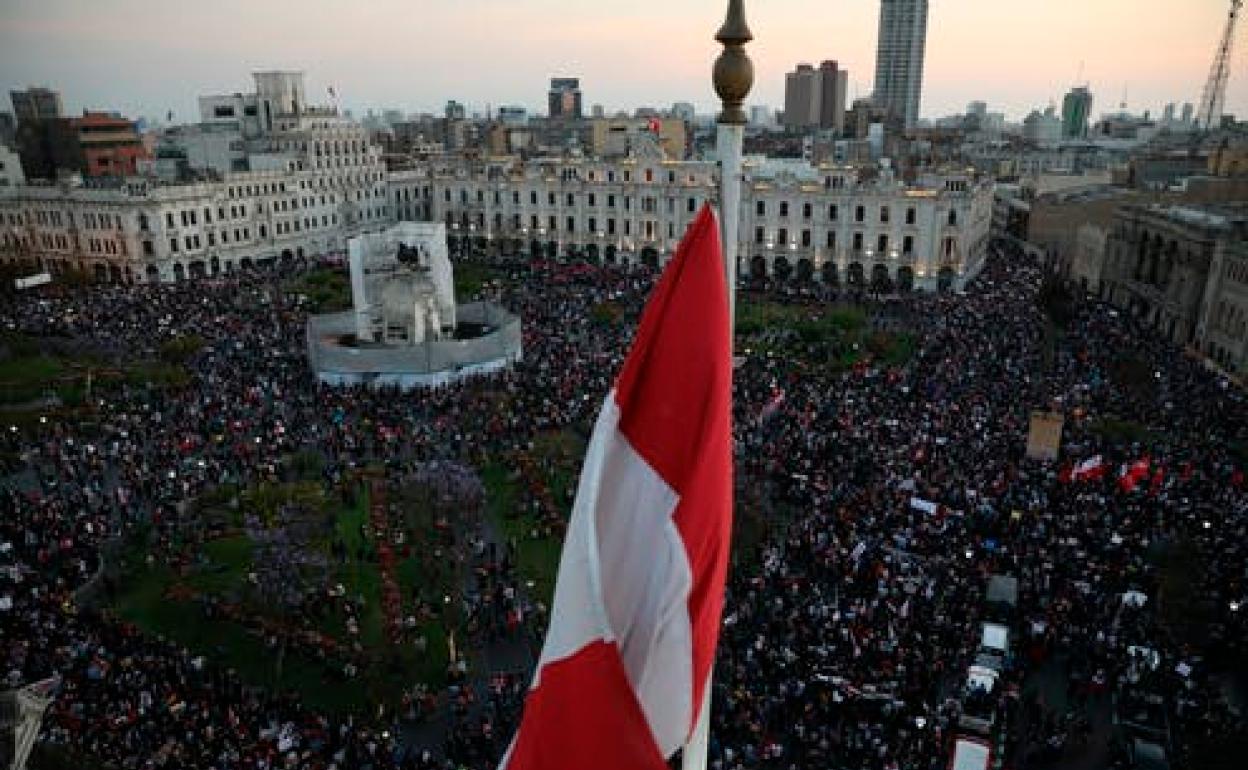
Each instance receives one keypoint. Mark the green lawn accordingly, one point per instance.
(836, 337)
(538, 555)
(221, 571)
(470, 277)
(328, 290)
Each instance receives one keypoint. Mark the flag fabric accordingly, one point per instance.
(1134, 474)
(626, 664)
(773, 405)
(1090, 469)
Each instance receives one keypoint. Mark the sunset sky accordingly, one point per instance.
(145, 57)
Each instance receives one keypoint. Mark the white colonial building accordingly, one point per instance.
(314, 181)
(798, 221)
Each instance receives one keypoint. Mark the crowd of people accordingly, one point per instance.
(885, 496)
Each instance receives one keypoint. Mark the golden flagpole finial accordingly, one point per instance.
(733, 74)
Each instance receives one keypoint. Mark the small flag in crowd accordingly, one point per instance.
(625, 668)
(1090, 469)
(1134, 474)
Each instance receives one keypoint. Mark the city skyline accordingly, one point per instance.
(490, 52)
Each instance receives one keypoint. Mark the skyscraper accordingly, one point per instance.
(36, 104)
(1076, 109)
(801, 110)
(815, 98)
(899, 58)
(565, 98)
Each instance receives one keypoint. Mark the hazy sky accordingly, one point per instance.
(145, 57)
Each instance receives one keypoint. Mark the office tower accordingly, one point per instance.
(815, 98)
(801, 110)
(899, 58)
(565, 98)
(35, 104)
(1076, 110)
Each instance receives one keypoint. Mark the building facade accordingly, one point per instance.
(798, 222)
(899, 58)
(814, 99)
(10, 168)
(564, 98)
(1076, 112)
(1183, 270)
(36, 104)
(314, 181)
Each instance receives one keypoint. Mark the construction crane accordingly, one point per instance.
(1211, 99)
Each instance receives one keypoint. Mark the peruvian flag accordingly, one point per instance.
(1132, 477)
(624, 674)
(773, 405)
(1089, 470)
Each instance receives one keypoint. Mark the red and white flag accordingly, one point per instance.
(1132, 476)
(624, 673)
(1090, 469)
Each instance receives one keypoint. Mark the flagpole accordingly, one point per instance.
(733, 76)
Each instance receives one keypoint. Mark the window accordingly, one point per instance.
(693, 205)
(782, 237)
(910, 216)
(571, 224)
(173, 245)
(860, 213)
(610, 227)
(831, 240)
(649, 175)
(832, 213)
(628, 227)
(953, 217)
(571, 200)
(592, 200)
(883, 245)
(760, 209)
(907, 245)
(550, 198)
(147, 249)
(806, 239)
(806, 211)
(857, 241)
(884, 215)
(610, 201)
(169, 219)
(592, 227)
(760, 234)
(784, 208)
(554, 223)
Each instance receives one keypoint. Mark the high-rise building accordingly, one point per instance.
(833, 83)
(1188, 111)
(815, 98)
(1167, 116)
(565, 98)
(455, 111)
(1076, 110)
(899, 58)
(36, 104)
(801, 91)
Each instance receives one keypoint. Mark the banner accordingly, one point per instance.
(1044, 441)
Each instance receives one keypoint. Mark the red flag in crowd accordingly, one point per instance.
(1132, 476)
(625, 668)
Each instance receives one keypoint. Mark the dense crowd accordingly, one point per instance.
(848, 630)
